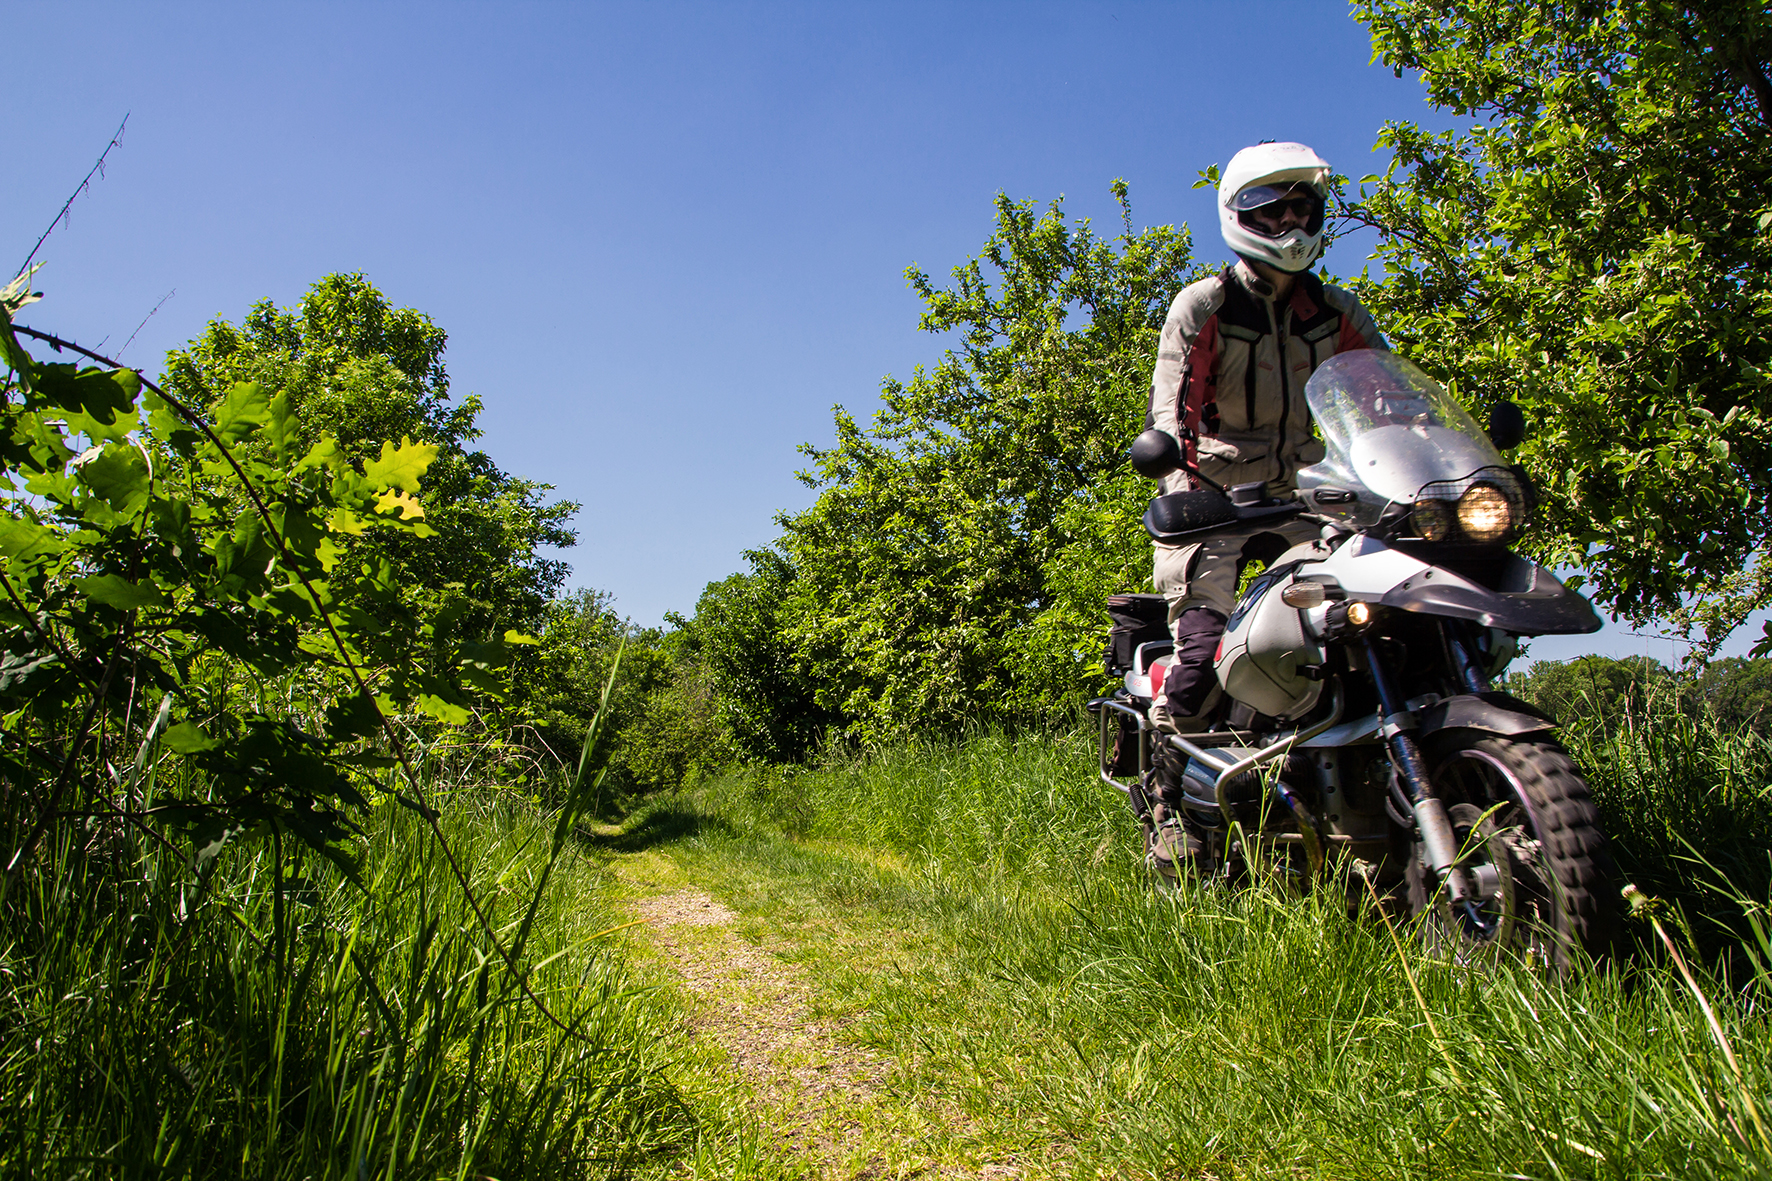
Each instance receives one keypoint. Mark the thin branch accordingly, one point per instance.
(145, 320)
(1747, 71)
(99, 694)
(98, 169)
(75, 745)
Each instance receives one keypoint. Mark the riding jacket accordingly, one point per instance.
(1230, 373)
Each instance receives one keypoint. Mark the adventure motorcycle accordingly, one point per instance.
(1358, 724)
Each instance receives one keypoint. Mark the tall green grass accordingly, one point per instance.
(248, 1026)
(1687, 803)
(1089, 1020)
(988, 802)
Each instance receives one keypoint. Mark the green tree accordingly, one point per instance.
(764, 690)
(954, 565)
(1595, 242)
(677, 736)
(177, 622)
(1738, 691)
(363, 372)
(556, 678)
(1597, 690)
(660, 727)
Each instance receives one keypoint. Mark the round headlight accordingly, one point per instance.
(1484, 513)
(1432, 519)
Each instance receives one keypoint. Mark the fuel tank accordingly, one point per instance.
(1266, 657)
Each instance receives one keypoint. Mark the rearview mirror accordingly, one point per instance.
(1507, 425)
(1155, 454)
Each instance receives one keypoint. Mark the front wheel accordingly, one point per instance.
(1530, 843)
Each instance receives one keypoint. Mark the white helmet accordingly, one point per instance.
(1264, 173)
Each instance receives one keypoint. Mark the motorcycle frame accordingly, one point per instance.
(1398, 725)
(1228, 770)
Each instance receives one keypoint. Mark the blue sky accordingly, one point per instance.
(664, 238)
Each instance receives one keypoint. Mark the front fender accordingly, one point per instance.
(1493, 712)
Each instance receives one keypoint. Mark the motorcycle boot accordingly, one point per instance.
(1170, 842)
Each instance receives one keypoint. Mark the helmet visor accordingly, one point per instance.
(1261, 208)
(1256, 196)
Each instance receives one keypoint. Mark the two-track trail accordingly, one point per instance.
(776, 981)
(810, 1084)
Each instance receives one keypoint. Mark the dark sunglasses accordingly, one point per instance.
(1274, 210)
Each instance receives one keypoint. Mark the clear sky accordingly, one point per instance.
(664, 238)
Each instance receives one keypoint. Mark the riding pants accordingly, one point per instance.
(1199, 581)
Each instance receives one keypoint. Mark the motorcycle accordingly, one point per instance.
(1359, 725)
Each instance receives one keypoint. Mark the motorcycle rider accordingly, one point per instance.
(1234, 355)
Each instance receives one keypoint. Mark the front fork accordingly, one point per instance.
(1462, 650)
(1437, 837)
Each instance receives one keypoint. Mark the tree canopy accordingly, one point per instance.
(1738, 691)
(1597, 689)
(362, 371)
(763, 693)
(1595, 242)
(1607, 692)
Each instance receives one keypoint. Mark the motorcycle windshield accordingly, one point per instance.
(1389, 430)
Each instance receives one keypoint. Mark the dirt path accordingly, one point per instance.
(824, 1105)
(810, 1087)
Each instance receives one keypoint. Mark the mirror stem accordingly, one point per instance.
(1197, 474)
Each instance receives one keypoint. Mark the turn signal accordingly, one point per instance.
(1304, 594)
